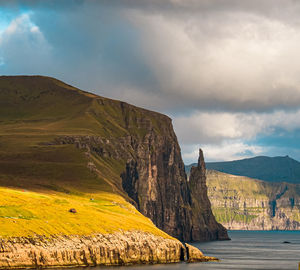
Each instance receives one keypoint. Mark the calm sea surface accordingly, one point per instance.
(247, 250)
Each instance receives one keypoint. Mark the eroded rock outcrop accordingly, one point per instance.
(121, 248)
(112, 249)
(204, 224)
(193, 254)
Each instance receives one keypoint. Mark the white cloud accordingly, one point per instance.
(229, 150)
(217, 127)
(23, 47)
(231, 55)
(230, 136)
(234, 60)
(231, 64)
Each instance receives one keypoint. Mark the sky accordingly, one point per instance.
(226, 71)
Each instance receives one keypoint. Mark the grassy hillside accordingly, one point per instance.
(271, 169)
(244, 203)
(40, 180)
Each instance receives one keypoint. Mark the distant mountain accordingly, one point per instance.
(243, 203)
(271, 169)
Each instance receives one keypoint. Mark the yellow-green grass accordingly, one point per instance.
(27, 213)
(227, 190)
(245, 187)
(40, 182)
(227, 215)
(47, 106)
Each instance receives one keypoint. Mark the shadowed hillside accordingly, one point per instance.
(42, 175)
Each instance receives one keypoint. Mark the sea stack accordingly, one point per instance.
(205, 226)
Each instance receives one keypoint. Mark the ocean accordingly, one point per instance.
(255, 250)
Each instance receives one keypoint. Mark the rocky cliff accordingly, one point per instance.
(153, 174)
(76, 164)
(242, 203)
(122, 248)
(109, 249)
(155, 180)
(204, 225)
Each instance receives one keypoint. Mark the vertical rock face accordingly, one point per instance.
(121, 248)
(155, 179)
(204, 224)
(242, 203)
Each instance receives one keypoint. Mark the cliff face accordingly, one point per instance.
(152, 171)
(122, 248)
(204, 224)
(155, 180)
(242, 203)
(62, 148)
(110, 249)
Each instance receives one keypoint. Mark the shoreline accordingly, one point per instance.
(117, 249)
(263, 231)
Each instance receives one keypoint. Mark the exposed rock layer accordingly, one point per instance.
(193, 254)
(112, 249)
(242, 203)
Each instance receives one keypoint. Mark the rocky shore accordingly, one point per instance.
(121, 248)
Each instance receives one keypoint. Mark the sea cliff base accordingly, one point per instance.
(121, 248)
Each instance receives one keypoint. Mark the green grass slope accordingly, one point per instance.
(240, 202)
(40, 181)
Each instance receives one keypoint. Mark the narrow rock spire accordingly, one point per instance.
(201, 163)
(205, 225)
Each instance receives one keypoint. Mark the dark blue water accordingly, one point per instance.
(247, 250)
(255, 250)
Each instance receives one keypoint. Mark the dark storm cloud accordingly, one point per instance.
(227, 64)
(177, 54)
(92, 45)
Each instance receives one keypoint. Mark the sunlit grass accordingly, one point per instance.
(228, 192)
(40, 181)
(25, 213)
